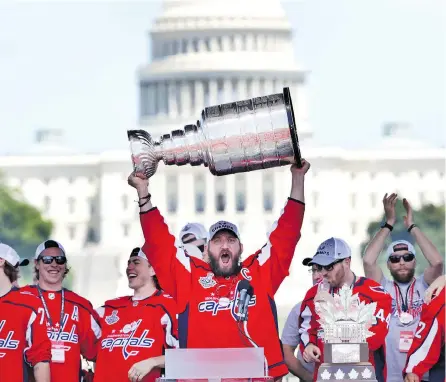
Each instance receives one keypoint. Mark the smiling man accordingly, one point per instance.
(207, 293)
(72, 324)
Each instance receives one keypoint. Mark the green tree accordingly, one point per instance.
(430, 219)
(22, 226)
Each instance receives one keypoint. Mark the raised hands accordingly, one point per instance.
(389, 208)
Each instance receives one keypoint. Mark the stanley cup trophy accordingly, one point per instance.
(229, 138)
(345, 322)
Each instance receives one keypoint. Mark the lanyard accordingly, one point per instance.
(47, 312)
(332, 290)
(405, 303)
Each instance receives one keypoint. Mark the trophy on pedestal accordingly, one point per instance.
(235, 137)
(345, 321)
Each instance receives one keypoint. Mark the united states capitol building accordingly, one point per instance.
(206, 53)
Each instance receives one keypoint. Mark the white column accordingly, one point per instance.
(185, 99)
(227, 90)
(250, 42)
(269, 86)
(199, 96)
(186, 201)
(256, 87)
(172, 99)
(210, 198)
(230, 195)
(242, 89)
(213, 89)
(226, 42)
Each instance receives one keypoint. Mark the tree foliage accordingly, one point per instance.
(22, 225)
(430, 219)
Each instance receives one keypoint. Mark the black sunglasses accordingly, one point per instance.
(408, 257)
(60, 260)
(328, 267)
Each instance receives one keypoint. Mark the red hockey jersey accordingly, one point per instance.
(368, 291)
(203, 321)
(427, 352)
(22, 335)
(73, 334)
(132, 331)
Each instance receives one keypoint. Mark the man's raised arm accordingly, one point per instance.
(159, 245)
(276, 255)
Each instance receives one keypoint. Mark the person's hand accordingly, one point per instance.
(300, 171)
(411, 377)
(140, 369)
(408, 219)
(389, 208)
(138, 181)
(434, 289)
(312, 353)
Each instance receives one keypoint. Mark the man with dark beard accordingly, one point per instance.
(207, 293)
(406, 290)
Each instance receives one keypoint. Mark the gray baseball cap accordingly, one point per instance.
(331, 250)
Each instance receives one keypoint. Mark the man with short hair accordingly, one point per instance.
(333, 260)
(22, 326)
(407, 291)
(207, 294)
(290, 334)
(72, 323)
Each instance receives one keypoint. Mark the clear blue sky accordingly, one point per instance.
(72, 65)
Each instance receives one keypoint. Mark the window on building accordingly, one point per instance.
(172, 193)
(125, 201)
(192, 94)
(353, 200)
(262, 87)
(178, 96)
(231, 43)
(316, 226)
(46, 203)
(219, 43)
(71, 232)
(175, 47)
(71, 205)
(220, 194)
(92, 236)
(249, 88)
(126, 229)
(200, 193)
(234, 85)
(207, 44)
(354, 228)
(206, 93)
(184, 46)
(220, 91)
(268, 191)
(240, 192)
(195, 44)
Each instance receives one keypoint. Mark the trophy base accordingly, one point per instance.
(361, 371)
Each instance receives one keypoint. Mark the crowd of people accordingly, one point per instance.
(195, 291)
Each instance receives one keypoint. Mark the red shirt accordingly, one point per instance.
(22, 335)
(427, 350)
(133, 331)
(203, 322)
(77, 333)
(368, 291)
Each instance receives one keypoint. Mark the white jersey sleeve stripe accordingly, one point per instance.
(305, 325)
(29, 334)
(421, 353)
(170, 338)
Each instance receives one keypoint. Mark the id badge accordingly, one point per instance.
(57, 352)
(406, 338)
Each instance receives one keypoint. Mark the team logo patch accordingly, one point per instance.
(245, 274)
(51, 296)
(207, 281)
(113, 318)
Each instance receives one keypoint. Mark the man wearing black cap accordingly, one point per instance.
(22, 331)
(291, 338)
(72, 323)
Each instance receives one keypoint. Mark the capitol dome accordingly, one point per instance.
(207, 52)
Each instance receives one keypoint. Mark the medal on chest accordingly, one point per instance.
(404, 306)
(405, 318)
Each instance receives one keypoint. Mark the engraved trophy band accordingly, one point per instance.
(230, 138)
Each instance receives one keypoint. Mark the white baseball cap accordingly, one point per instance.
(400, 245)
(48, 244)
(10, 255)
(331, 250)
(223, 225)
(195, 229)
